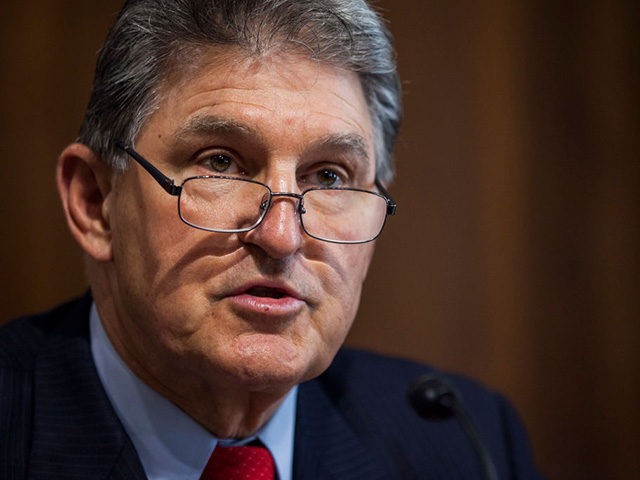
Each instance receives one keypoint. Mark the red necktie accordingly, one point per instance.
(239, 463)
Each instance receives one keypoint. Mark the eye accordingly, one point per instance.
(220, 162)
(328, 178)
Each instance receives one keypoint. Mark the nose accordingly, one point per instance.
(279, 234)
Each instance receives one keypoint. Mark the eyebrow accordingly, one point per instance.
(347, 142)
(211, 124)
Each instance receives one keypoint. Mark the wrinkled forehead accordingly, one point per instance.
(272, 75)
(188, 60)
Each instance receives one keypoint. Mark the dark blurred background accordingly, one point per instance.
(515, 253)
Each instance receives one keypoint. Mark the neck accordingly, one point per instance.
(229, 416)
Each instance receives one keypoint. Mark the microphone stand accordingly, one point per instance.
(434, 399)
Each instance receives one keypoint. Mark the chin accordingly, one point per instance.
(269, 367)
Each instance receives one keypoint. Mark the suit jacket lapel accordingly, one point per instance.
(327, 445)
(76, 432)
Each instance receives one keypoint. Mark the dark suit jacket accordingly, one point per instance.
(352, 422)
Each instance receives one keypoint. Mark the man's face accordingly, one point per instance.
(261, 310)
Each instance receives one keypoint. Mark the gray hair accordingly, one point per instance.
(151, 39)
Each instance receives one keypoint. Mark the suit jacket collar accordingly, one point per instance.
(76, 433)
(329, 439)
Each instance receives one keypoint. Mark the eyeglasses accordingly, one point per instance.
(224, 204)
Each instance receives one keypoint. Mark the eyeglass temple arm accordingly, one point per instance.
(391, 205)
(164, 181)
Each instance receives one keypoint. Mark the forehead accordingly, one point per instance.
(228, 90)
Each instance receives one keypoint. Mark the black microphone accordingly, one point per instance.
(434, 399)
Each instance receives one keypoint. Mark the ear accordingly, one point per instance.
(84, 185)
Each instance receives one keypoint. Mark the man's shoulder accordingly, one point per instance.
(375, 385)
(368, 370)
(367, 392)
(22, 339)
(59, 422)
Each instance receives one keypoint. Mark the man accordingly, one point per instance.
(227, 188)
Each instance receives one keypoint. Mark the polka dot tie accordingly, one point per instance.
(239, 463)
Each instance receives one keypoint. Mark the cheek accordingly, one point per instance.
(147, 231)
(354, 262)
(343, 287)
(342, 275)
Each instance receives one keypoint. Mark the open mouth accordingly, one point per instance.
(266, 292)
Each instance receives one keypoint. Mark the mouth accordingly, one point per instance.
(267, 300)
(267, 292)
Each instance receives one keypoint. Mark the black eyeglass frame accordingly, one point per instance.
(168, 184)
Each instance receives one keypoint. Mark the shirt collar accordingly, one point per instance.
(170, 444)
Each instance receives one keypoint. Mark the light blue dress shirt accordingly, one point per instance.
(170, 444)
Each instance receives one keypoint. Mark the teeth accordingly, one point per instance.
(265, 292)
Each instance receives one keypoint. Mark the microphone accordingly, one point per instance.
(434, 399)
